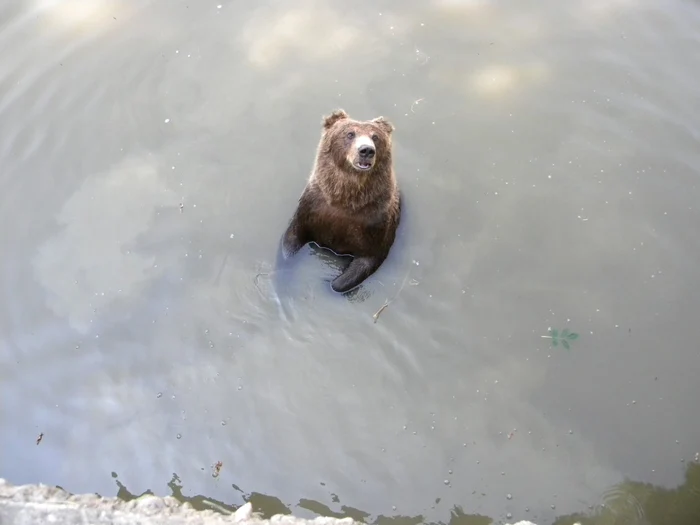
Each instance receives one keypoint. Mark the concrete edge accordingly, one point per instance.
(30, 504)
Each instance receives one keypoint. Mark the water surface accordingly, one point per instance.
(152, 153)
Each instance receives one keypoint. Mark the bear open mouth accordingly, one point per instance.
(363, 165)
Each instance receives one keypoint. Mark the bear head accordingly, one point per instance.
(356, 146)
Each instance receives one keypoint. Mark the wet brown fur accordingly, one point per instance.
(348, 211)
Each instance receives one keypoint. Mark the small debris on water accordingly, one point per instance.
(389, 301)
(179, 436)
(41, 436)
(167, 120)
(217, 469)
(509, 515)
(379, 312)
(159, 395)
(416, 102)
(509, 496)
(447, 482)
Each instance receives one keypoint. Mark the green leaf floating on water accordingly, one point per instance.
(564, 337)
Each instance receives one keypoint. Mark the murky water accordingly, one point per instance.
(152, 153)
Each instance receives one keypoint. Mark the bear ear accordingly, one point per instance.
(384, 124)
(338, 114)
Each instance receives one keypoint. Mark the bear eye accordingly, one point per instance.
(351, 135)
(375, 138)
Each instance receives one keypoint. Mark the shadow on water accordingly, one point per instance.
(629, 502)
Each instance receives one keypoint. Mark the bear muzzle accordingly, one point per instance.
(365, 153)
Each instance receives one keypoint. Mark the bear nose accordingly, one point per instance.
(366, 151)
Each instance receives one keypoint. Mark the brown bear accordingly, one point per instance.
(351, 203)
